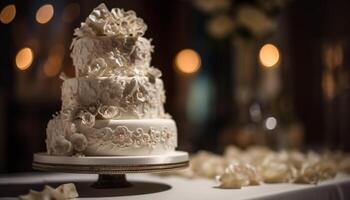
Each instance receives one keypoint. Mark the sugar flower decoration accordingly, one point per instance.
(117, 22)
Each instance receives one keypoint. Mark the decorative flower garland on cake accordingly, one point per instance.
(64, 139)
(112, 98)
(122, 137)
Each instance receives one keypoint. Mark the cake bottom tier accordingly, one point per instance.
(131, 137)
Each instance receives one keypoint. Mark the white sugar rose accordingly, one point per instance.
(68, 191)
(108, 112)
(97, 67)
(140, 97)
(88, 119)
(118, 58)
(237, 175)
(62, 146)
(277, 169)
(65, 191)
(98, 19)
(126, 23)
(208, 165)
(232, 178)
(57, 131)
(143, 49)
(122, 137)
(79, 142)
(313, 172)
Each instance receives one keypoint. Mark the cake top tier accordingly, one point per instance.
(111, 43)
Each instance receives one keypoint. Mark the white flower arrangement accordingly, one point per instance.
(97, 68)
(251, 20)
(64, 191)
(237, 168)
(108, 112)
(110, 43)
(87, 119)
(79, 142)
(237, 175)
(56, 141)
(118, 23)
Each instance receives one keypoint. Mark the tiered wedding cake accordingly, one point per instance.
(114, 105)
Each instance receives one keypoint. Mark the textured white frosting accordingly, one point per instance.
(112, 55)
(119, 98)
(114, 105)
(111, 43)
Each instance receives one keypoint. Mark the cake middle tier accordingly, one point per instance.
(135, 97)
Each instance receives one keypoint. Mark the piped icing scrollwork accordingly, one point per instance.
(122, 137)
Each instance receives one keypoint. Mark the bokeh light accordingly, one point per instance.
(269, 55)
(8, 13)
(333, 56)
(44, 13)
(270, 123)
(24, 58)
(187, 61)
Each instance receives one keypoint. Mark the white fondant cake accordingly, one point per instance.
(114, 105)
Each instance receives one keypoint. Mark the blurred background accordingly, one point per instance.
(253, 72)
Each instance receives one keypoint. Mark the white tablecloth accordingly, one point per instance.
(154, 187)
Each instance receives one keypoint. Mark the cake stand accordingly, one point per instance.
(112, 170)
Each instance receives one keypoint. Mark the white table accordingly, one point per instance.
(154, 187)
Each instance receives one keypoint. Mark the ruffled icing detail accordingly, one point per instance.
(117, 22)
(113, 98)
(110, 43)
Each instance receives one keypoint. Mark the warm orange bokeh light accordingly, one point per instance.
(269, 55)
(24, 58)
(8, 13)
(44, 14)
(187, 61)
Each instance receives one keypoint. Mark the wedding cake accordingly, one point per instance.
(114, 104)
